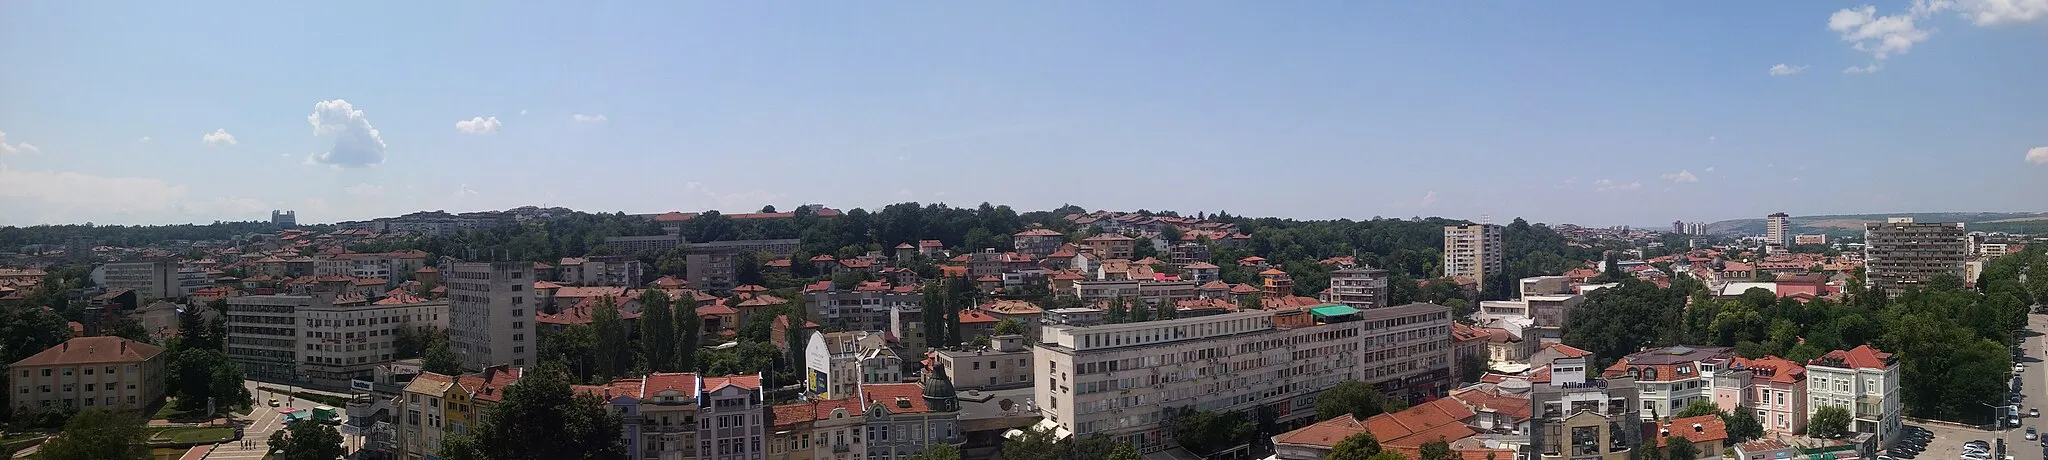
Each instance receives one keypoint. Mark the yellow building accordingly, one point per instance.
(435, 407)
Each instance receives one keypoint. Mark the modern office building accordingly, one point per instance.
(491, 312)
(1407, 354)
(1573, 417)
(1899, 253)
(1778, 230)
(1127, 380)
(1472, 250)
(1363, 288)
(89, 372)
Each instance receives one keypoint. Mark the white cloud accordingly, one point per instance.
(464, 191)
(356, 143)
(143, 140)
(587, 118)
(1604, 185)
(2037, 155)
(1682, 176)
(478, 125)
(522, 111)
(16, 148)
(45, 197)
(1428, 199)
(218, 137)
(1894, 34)
(364, 191)
(1781, 70)
(1710, 169)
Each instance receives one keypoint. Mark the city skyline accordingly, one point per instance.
(137, 113)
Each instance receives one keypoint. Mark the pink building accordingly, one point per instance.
(1773, 387)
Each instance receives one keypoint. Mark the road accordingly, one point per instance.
(265, 420)
(2033, 391)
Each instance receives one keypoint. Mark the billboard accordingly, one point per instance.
(817, 366)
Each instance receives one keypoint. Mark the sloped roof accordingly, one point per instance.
(92, 350)
(886, 396)
(1709, 428)
(1861, 357)
(751, 382)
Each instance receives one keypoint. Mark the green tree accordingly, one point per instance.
(1123, 451)
(195, 374)
(938, 452)
(614, 351)
(307, 439)
(1204, 432)
(127, 328)
(1389, 455)
(1743, 426)
(97, 434)
(1698, 408)
(657, 330)
(1437, 450)
(1679, 448)
(1009, 326)
(1471, 368)
(1829, 422)
(1038, 444)
(1361, 446)
(440, 359)
(575, 347)
(690, 328)
(1353, 397)
(541, 406)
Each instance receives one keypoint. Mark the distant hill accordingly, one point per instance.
(1852, 224)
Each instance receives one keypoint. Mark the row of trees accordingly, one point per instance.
(1950, 340)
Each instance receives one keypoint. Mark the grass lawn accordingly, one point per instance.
(168, 410)
(191, 434)
(166, 453)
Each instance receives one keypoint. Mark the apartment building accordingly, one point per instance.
(435, 407)
(828, 429)
(1472, 250)
(732, 418)
(1363, 288)
(1111, 246)
(1578, 418)
(346, 338)
(1127, 380)
(1407, 352)
(1669, 378)
(263, 335)
(634, 245)
(1150, 292)
(1773, 387)
(89, 372)
(904, 419)
(624, 271)
(837, 363)
(1864, 380)
(150, 280)
(866, 307)
(1777, 230)
(1038, 242)
(491, 312)
(666, 423)
(710, 266)
(1005, 363)
(1900, 254)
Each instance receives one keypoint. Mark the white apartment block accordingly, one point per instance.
(1408, 351)
(1150, 292)
(1671, 377)
(149, 280)
(490, 312)
(1126, 380)
(1472, 250)
(1865, 381)
(347, 339)
(263, 335)
(1777, 230)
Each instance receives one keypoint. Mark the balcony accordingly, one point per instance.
(841, 448)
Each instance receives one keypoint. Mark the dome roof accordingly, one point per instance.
(938, 389)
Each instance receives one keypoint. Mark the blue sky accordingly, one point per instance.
(1588, 112)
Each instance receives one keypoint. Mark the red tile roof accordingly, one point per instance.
(750, 382)
(1202, 266)
(971, 316)
(1709, 428)
(1567, 350)
(490, 384)
(92, 350)
(787, 415)
(1773, 369)
(1861, 357)
(888, 395)
(1490, 398)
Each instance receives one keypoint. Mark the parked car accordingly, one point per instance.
(2033, 412)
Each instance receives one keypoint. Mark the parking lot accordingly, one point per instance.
(1948, 443)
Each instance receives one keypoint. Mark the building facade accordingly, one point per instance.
(149, 280)
(1006, 363)
(1127, 380)
(711, 266)
(1671, 377)
(89, 372)
(1573, 418)
(1472, 250)
(1863, 380)
(347, 338)
(1363, 288)
(1778, 230)
(263, 335)
(1900, 254)
(1407, 351)
(491, 312)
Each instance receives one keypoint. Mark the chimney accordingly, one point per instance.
(1696, 428)
(67, 345)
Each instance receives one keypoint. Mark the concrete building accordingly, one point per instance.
(732, 419)
(1900, 254)
(433, 407)
(1573, 417)
(838, 363)
(89, 372)
(1810, 238)
(1863, 380)
(1005, 363)
(263, 335)
(1773, 387)
(904, 419)
(1037, 242)
(866, 307)
(710, 266)
(1363, 288)
(284, 219)
(1127, 380)
(1670, 377)
(348, 337)
(635, 245)
(1777, 230)
(1408, 351)
(827, 429)
(150, 280)
(491, 312)
(1472, 250)
(1150, 292)
(1111, 246)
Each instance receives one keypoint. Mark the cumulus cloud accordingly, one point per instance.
(588, 118)
(143, 140)
(356, 143)
(42, 197)
(478, 125)
(1710, 169)
(522, 111)
(218, 137)
(2037, 155)
(1428, 199)
(16, 148)
(1605, 185)
(1883, 36)
(1682, 176)
(1781, 70)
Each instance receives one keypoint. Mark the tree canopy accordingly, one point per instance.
(307, 439)
(1829, 422)
(1361, 446)
(1352, 397)
(97, 434)
(541, 406)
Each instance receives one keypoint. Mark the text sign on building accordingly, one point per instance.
(1594, 383)
(361, 385)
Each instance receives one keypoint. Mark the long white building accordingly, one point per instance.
(1126, 380)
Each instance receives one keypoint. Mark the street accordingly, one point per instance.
(265, 420)
(2033, 393)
